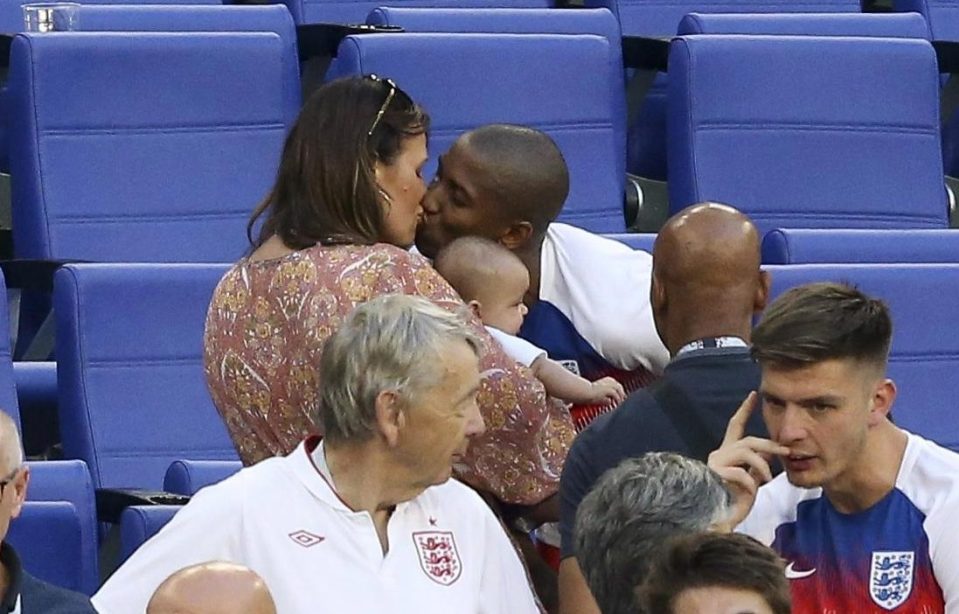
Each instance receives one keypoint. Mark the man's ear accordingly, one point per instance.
(516, 236)
(882, 399)
(657, 294)
(762, 291)
(390, 417)
(19, 485)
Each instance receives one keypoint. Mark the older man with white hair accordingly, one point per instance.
(368, 519)
(21, 593)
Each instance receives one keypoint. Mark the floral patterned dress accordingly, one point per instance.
(265, 330)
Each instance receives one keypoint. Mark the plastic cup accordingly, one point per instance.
(51, 17)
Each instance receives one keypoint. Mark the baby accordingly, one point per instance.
(493, 281)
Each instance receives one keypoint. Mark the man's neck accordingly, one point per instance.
(365, 483)
(875, 471)
(682, 332)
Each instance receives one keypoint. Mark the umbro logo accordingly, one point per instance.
(794, 574)
(305, 538)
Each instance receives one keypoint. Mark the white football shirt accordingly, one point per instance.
(282, 519)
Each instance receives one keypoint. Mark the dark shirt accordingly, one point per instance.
(37, 596)
(714, 381)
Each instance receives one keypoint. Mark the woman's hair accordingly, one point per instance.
(326, 190)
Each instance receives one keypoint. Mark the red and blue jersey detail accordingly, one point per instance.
(545, 326)
(873, 561)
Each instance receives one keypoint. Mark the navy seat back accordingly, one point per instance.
(904, 25)
(827, 245)
(69, 481)
(355, 11)
(47, 537)
(144, 146)
(808, 131)
(467, 80)
(138, 523)
(186, 477)
(925, 348)
(133, 396)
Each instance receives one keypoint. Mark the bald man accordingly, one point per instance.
(588, 296)
(213, 588)
(706, 287)
(21, 593)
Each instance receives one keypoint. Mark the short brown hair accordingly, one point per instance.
(703, 560)
(823, 321)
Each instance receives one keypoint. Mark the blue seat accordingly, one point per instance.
(11, 11)
(186, 477)
(904, 25)
(8, 391)
(522, 21)
(814, 246)
(647, 152)
(636, 240)
(943, 19)
(468, 80)
(808, 132)
(355, 11)
(138, 523)
(47, 537)
(925, 349)
(144, 146)
(133, 397)
(69, 482)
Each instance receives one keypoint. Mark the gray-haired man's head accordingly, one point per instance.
(633, 509)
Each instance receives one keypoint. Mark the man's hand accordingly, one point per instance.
(743, 462)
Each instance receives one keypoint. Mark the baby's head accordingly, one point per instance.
(491, 279)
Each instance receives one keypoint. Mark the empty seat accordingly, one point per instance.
(805, 246)
(186, 477)
(468, 80)
(355, 11)
(925, 348)
(144, 146)
(48, 538)
(69, 481)
(904, 25)
(11, 11)
(522, 21)
(808, 132)
(133, 397)
(942, 16)
(138, 523)
(8, 391)
(647, 129)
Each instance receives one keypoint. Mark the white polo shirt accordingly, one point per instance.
(281, 518)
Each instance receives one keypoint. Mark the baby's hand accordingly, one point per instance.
(607, 390)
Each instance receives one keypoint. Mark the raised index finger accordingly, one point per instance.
(737, 424)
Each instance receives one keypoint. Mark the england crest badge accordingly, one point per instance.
(890, 578)
(438, 556)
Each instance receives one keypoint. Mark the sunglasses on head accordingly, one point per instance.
(386, 103)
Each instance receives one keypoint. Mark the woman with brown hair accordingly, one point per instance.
(335, 230)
